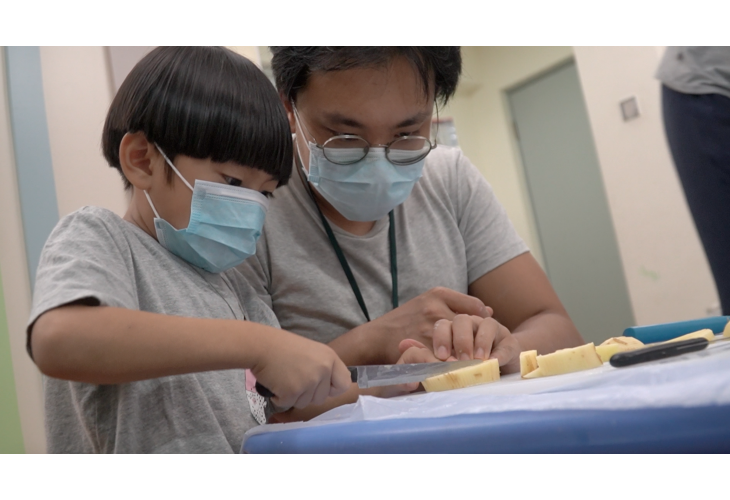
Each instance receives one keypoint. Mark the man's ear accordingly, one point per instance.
(289, 112)
(137, 156)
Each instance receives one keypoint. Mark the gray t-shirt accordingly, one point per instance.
(449, 232)
(94, 254)
(696, 70)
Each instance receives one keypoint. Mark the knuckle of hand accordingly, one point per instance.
(431, 310)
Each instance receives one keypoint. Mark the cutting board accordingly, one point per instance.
(514, 384)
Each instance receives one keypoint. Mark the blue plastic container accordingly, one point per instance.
(667, 331)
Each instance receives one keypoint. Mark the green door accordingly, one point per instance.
(569, 202)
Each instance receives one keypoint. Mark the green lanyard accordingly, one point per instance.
(346, 266)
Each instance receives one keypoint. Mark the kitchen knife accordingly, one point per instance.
(379, 375)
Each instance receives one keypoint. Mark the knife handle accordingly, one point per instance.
(263, 391)
(655, 352)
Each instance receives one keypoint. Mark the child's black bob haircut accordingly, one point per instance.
(202, 102)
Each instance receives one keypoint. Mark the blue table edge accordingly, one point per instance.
(703, 429)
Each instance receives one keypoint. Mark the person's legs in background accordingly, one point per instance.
(698, 132)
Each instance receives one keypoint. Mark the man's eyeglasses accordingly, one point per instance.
(348, 149)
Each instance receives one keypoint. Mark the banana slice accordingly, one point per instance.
(624, 341)
(699, 334)
(528, 362)
(570, 360)
(483, 373)
(617, 344)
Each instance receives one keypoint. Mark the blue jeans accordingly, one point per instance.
(698, 132)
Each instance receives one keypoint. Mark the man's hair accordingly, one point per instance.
(293, 65)
(202, 102)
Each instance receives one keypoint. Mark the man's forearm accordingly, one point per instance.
(357, 347)
(546, 332)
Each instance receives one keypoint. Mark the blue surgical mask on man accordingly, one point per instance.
(225, 224)
(364, 191)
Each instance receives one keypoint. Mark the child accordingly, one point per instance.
(142, 325)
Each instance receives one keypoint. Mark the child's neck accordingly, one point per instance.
(137, 215)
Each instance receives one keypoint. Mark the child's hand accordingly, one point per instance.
(412, 351)
(300, 371)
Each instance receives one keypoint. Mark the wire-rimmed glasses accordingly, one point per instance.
(347, 149)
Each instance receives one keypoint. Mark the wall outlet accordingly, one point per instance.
(630, 108)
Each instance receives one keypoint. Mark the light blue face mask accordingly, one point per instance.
(225, 224)
(364, 191)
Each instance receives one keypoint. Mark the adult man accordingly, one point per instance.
(393, 242)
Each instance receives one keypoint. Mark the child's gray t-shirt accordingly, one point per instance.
(95, 255)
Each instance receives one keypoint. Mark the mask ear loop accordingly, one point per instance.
(173, 168)
(436, 133)
(296, 142)
(149, 200)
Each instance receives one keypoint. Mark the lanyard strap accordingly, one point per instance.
(346, 266)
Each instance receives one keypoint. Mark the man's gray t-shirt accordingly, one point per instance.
(696, 70)
(94, 254)
(449, 232)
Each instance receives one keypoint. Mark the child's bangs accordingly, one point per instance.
(213, 103)
(239, 119)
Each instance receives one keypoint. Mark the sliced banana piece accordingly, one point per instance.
(483, 373)
(528, 362)
(699, 334)
(570, 360)
(617, 344)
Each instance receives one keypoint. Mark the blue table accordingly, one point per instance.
(680, 405)
(662, 430)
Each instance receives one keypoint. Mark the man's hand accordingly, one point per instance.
(471, 337)
(377, 342)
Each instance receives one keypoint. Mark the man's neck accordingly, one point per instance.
(353, 227)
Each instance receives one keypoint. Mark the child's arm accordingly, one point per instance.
(412, 351)
(109, 345)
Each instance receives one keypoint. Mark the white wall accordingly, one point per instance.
(665, 267)
(484, 126)
(250, 52)
(16, 286)
(77, 89)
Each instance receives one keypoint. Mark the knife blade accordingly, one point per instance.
(379, 375)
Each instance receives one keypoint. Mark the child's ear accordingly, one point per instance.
(289, 113)
(136, 156)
